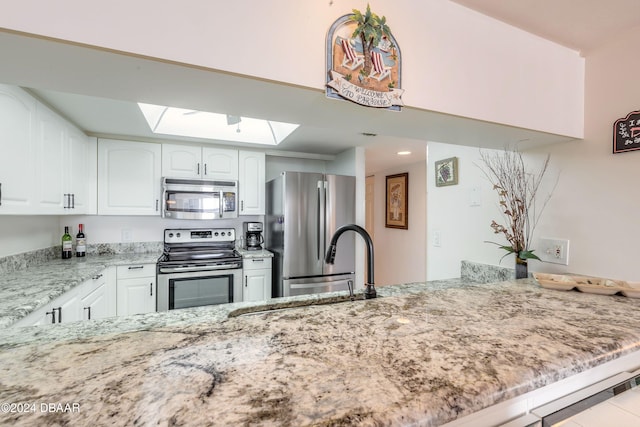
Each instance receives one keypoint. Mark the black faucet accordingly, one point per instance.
(370, 290)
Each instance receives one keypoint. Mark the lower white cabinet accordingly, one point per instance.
(136, 289)
(90, 300)
(97, 299)
(257, 279)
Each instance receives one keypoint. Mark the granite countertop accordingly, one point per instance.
(261, 253)
(422, 354)
(24, 291)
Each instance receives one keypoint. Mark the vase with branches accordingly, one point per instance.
(519, 201)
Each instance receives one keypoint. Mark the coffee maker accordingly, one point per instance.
(253, 239)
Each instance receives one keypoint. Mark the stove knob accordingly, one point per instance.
(215, 234)
(170, 234)
(222, 234)
(177, 234)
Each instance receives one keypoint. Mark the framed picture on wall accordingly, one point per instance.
(447, 172)
(397, 201)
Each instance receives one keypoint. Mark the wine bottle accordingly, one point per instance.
(81, 244)
(66, 244)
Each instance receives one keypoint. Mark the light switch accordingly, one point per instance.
(474, 196)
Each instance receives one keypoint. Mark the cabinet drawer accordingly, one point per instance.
(256, 263)
(136, 270)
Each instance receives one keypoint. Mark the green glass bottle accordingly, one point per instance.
(66, 244)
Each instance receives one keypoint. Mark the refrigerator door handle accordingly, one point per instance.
(318, 224)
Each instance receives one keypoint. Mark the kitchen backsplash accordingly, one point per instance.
(485, 273)
(24, 260)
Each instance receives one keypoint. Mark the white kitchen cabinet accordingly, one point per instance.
(90, 300)
(188, 161)
(129, 175)
(257, 279)
(221, 163)
(136, 289)
(17, 167)
(251, 183)
(95, 297)
(64, 309)
(45, 162)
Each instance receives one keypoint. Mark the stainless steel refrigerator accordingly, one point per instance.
(303, 211)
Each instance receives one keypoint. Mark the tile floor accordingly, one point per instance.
(622, 410)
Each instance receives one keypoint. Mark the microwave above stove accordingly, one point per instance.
(199, 199)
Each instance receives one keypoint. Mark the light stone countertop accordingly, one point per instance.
(26, 290)
(261, 253)
(421, 354)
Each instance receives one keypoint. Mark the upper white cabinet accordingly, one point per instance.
(17, 133)
(129, 175)
(221, 163)
(251, 184)
(187, 161)
(63, 161)
(46, 162)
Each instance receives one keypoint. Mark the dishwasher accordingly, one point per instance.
(614, 401)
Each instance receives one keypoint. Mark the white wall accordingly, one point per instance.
(400, 254)
(20, 234)
(455, 60)
(462, 228)
(596, 203)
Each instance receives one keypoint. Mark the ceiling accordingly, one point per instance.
(98, 89)
(581, 25)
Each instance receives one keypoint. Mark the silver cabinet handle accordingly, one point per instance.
(246, 281)
(96, 277)
(88, 309)
(157, 205)
(257, 260)
(0, 194)
(136, 267)
(73, 201)
(198, 168)
(151, 289)
(205, 168)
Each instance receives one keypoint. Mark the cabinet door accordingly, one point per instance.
(94, 305)
(17, 165)
(181, 161)
(51, 161)
(94, 298)
(78, 176)
(220, 163)
(257, 285)
(251, 185)
(129, 175)
(136, 296)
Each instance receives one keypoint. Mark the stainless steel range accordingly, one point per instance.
(198, 267)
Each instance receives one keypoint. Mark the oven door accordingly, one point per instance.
(198, 288)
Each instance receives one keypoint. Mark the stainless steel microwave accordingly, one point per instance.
(199, 199)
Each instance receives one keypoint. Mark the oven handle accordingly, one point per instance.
(199, 268)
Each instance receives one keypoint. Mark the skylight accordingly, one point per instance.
(202, 124)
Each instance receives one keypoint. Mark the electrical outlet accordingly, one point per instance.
(437, 239)
(127, 235)
(553, 250)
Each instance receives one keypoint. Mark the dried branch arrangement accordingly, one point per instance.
(518, 199)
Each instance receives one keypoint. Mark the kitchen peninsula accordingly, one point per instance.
(421, 354)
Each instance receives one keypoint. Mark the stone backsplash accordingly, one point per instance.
(24, 260)
(485, 273)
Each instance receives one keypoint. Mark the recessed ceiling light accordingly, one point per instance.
(202, 124)
(403, 153)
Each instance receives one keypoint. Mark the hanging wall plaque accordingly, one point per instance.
(363, 61)
(626, 133)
